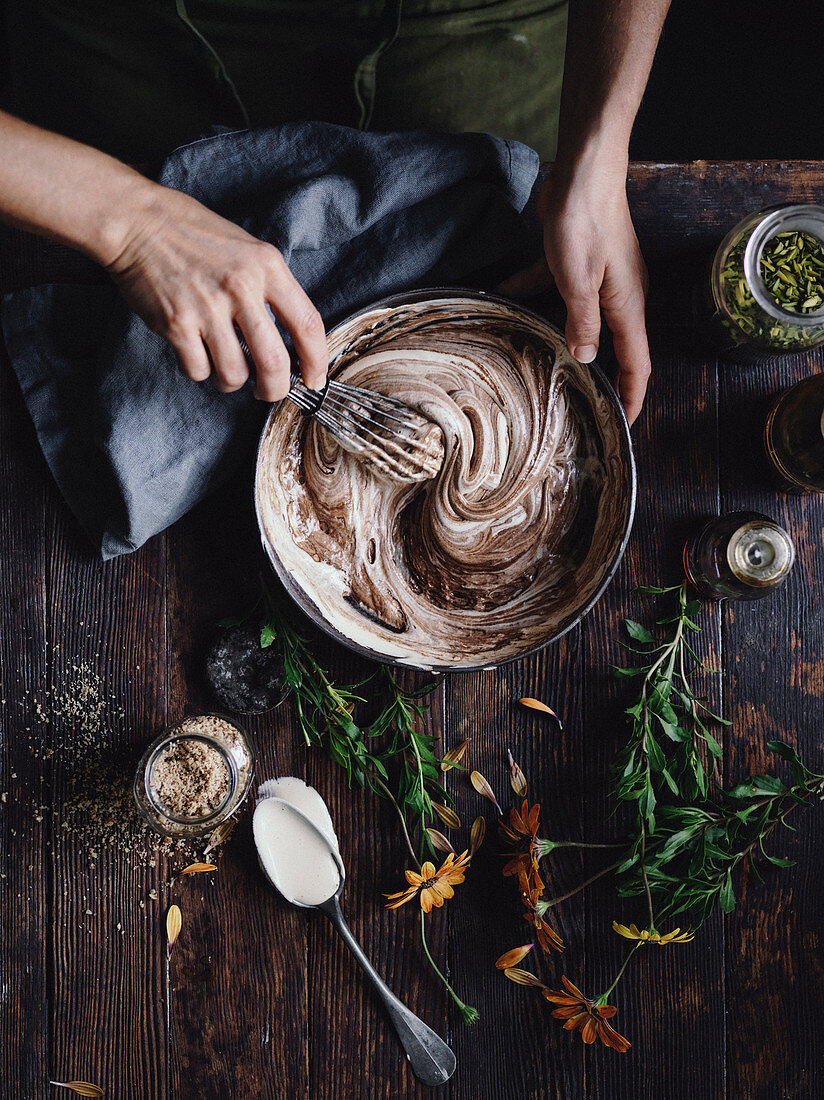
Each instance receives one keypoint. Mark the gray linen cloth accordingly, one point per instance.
(132, 444)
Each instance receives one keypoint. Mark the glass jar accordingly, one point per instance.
(739, 556)
(749, 320)
(794, 435)
(194, 776)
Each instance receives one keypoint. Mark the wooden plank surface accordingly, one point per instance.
(25, 889)
(775, 686)
(261, 1000)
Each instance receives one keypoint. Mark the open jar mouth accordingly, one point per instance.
(799, 218)
(160, 807)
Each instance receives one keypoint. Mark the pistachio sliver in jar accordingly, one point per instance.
(767, 283)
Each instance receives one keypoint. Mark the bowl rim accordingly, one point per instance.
(304, 602)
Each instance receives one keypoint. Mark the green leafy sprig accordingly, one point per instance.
(394, 754)
(668, 722)
(690, 860)
(689, 836)
(395, 748)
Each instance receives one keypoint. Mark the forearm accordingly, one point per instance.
(66, 191)
(610, 48)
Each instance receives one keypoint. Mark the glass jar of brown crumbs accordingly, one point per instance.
(194, 776)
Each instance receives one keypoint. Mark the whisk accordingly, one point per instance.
(383, 431)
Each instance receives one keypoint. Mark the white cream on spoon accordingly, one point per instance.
(295, 849)
(298, 853)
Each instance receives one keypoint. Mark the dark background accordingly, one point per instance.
(735, 80)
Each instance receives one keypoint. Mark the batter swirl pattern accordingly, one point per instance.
(511, 538)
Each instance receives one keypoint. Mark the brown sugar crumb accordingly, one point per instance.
(190, 779)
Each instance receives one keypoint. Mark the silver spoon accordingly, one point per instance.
(430, 1059)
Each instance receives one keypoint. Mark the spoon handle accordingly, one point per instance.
(430, 1059)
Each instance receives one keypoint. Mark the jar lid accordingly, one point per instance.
(760, 553)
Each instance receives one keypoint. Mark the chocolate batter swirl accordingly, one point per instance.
(512, 538)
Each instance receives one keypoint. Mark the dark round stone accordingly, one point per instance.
(244, 677)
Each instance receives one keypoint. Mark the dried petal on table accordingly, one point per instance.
(536, 704)
(523, 977)
(447, 815)
(516, 777)
(511, 958)
(454, 756)
(219, 836)
(476, 835)
(439, 841)
(482, 787)
(80, 1088)
(197, 868)
(174, 922)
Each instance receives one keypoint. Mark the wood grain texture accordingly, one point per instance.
(261, 1000)
(671, 1000)
(106, 941)
(238, 987)
(775, 675)
(25, 960)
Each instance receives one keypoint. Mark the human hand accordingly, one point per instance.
(592, 254)
(192, 276)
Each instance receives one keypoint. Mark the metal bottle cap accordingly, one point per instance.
(760, 553)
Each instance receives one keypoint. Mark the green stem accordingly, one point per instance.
(583, 886)
(619, 975)
(469, 1014)
(644, 875)
(578, 844)
(388, 794)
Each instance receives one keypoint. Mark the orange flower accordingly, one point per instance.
(431, 886)
(531, 890)
(523, 831)
(579, 1013)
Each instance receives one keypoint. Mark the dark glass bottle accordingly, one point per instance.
(794, 435)
(739, 556)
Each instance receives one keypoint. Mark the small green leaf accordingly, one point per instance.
(713, 746)
(673, 786)
(267, 635)
(638, 632)
(727, 898)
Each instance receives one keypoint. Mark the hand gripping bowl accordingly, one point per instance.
(513, 541)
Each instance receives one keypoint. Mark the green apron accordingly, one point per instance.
(139, 77)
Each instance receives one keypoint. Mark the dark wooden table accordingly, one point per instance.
(261, 1001)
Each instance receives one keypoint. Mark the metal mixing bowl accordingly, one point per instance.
(623, 461)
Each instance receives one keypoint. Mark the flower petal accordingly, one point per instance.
(476, 835)
(428, 899)
(454, 756)
(573, 989)
(622, 930)
(576, 1021)
(439, 841)
(562, 998)
(536, 704)
(443, 890)
(517, 779)
(447, 815)
(483, 788)
(523, 977)
(610, 1038)
(513, 957)
(589, 1032)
